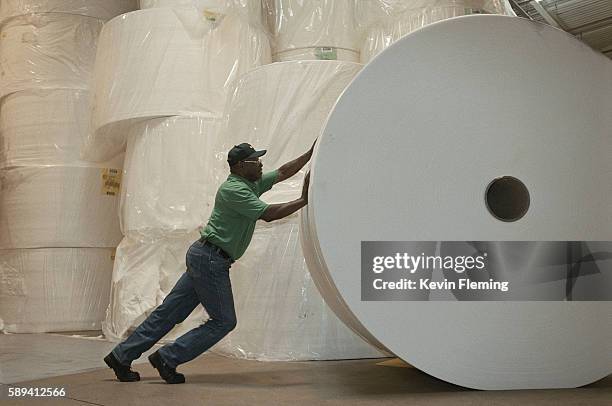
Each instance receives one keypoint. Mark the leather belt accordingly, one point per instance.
(215, 248)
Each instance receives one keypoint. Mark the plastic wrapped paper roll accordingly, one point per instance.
(59, 207)
(316, 23)
(168, 181)
(144, 273)
(403, 17)
(54, 289)
(281, 315)
(47, 51)
(165, 62)
(105, 9)
(425, 137)
(45, 128)
(322, 54)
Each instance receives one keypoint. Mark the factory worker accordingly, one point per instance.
(206, 280)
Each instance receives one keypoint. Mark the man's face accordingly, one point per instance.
(252, 169)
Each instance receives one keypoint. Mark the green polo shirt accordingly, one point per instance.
(237, 208)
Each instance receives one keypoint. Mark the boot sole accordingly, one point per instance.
(158, 371)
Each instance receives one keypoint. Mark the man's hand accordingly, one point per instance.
(291, 168)
(306, 186)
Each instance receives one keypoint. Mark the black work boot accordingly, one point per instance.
(124, 373)
(168, 374)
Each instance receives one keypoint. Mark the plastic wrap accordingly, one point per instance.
(59, 207)
(313, 23)
(168, 182)
(45, 128)
(398, 18)
(281, 316)
(246, 8)
(47, 51)
(54, 289)
(103, 9)
(145, 271)
(165, 62)
(321, 54)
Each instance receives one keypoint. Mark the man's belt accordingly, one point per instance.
(215, 248)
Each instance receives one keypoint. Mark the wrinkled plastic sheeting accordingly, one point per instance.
(46, 128)
(47, 51)
(386, 21)
(54, 289)
(317, 53)
(166, 62)
(250, 9)
(281, 316)
(299, 24)
(145, 271)
(102, 9)
(59, 207)
(168, 184)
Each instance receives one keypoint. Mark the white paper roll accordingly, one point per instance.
(59, 207)
(103, 9)
(405, 16)
(168, 181)
(54, 289)
(47, 51)
(281, 315)
(407, 155)
(164, 62)
(45, 128)
(313, 23)
(252, 10)
(144, 273)
(327, 54)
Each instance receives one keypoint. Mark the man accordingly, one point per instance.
(223, 240)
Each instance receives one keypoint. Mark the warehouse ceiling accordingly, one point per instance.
(588, 20)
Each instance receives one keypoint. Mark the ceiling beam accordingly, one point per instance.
(546, 15)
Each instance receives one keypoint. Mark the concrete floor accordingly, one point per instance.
(40, 360)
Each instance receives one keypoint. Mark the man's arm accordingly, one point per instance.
(282, 210)
(291, 168)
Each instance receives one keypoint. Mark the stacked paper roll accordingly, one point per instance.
(430, 169)
(47, 51)
(104, 10)
(281, 315)
(400, 18)
(168, 184)
(44, 128)
(165, 62)
(251, 10)
(308, 25)
(323, 53)
(54, 289)
(144, 273)
(58, 207)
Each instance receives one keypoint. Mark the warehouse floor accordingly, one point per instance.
(43, 360)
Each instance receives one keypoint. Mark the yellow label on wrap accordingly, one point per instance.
(111, 181)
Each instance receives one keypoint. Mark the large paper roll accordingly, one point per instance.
(47, 51)
(164, 62)
(404, 16)
(168, 181)
(316, 23)
(407, 155)
(281, 316)
(54, 289)
(144, 273)
(59, 207)
(105, 9)
(45, 128)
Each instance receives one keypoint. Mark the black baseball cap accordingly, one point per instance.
(243, 151)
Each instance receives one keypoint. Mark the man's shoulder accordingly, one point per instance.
(233, 186)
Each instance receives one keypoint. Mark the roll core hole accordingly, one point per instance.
(507, 199)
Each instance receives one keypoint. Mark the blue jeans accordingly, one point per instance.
(207, 282)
